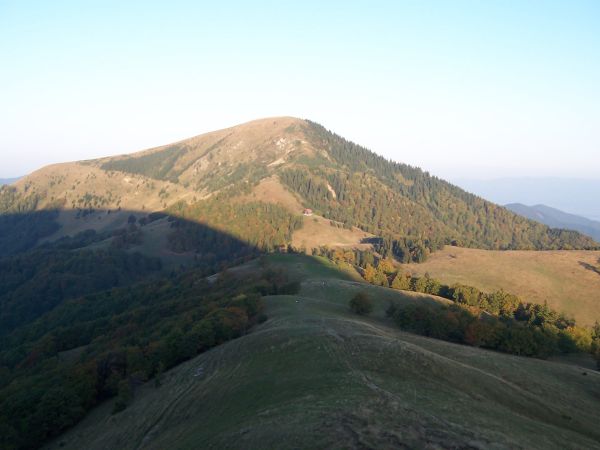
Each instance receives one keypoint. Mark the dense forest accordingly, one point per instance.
(158, 164)
(396, 201)
(33, 283)
(21, 226)
(91, 348)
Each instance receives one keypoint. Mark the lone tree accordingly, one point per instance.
(361, 304)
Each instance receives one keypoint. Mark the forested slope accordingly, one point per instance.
(395, 200)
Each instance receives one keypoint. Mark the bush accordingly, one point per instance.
(124, 396)
(361, 304)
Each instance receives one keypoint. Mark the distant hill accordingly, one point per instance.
(4, 181)
(578, 196)
(557, 219)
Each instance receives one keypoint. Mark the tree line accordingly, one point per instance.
(495, 320)
(261, 225)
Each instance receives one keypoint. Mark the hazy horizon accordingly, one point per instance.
(458, 89)
(577, 196)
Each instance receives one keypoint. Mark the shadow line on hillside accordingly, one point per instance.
(118, 248)
(63, 299)
(588, 266)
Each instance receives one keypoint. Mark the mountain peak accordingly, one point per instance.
(306, 166)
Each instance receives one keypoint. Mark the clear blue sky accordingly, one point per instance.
(460, 88)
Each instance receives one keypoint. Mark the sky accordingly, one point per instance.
(478, 89)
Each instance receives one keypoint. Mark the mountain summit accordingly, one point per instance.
(254, 181)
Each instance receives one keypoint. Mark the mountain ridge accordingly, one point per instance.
(411, 212)
(12, 180)
(556, 218)
(576, 195)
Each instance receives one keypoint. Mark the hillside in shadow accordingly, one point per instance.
(317, 375)
(35, 277)
(84, 318)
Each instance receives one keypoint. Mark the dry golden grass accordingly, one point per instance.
(270, 190)
(318, 231)
(68, 182)
(65, 185)
(268, 142)
(562, 278)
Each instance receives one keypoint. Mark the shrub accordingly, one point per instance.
(361, 304)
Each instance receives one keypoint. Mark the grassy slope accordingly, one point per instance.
(560, 277)
(317, 231)
(316, 376)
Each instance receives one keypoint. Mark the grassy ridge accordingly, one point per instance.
(316, 376)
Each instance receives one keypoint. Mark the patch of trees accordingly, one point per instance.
(104, 345)
(212, 248)
(21, 227)
(361, 304)
(212, 225)
(159, 165)
(392, 199)
(21, 232)
(233, 181)
(553, 332)
(406, 250)
(457, 324)
(128, 236)
(80, 240)
(35, 282)
(12, 201)
(87, 203)
(310, 188)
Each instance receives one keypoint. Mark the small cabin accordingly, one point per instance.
(308, 212)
